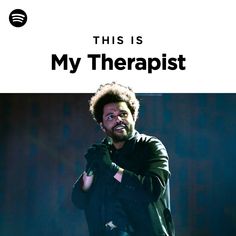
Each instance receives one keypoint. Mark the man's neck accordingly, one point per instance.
(118, 145)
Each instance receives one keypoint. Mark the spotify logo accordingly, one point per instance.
(17, 17)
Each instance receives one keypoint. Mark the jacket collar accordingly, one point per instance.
(128, 146)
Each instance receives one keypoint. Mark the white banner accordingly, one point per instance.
(152, 46)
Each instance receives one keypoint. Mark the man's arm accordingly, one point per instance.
(86, 182)
(79, 196)
(83, 184)
(118, 176)
(151, 183)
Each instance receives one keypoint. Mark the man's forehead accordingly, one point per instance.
(117, 106)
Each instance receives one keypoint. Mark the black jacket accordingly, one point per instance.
(141, 200)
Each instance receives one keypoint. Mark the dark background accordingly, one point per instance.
(43, 138)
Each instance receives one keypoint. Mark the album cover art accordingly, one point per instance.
(177, 58)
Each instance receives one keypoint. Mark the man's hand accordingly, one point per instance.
(91, 158)
(100, 155)
(104, 161)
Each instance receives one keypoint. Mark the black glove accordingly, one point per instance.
(104, 161)
(98, 156)
(91, 158)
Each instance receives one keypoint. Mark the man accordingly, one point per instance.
(124, 190)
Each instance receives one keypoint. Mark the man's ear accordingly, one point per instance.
(102, 127)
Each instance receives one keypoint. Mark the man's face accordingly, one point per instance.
(117, 121)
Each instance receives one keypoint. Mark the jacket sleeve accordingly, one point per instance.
(78, 196)
(150, 183)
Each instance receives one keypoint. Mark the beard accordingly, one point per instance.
(122, 135)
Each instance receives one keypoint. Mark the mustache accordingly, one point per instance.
(119, 124)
